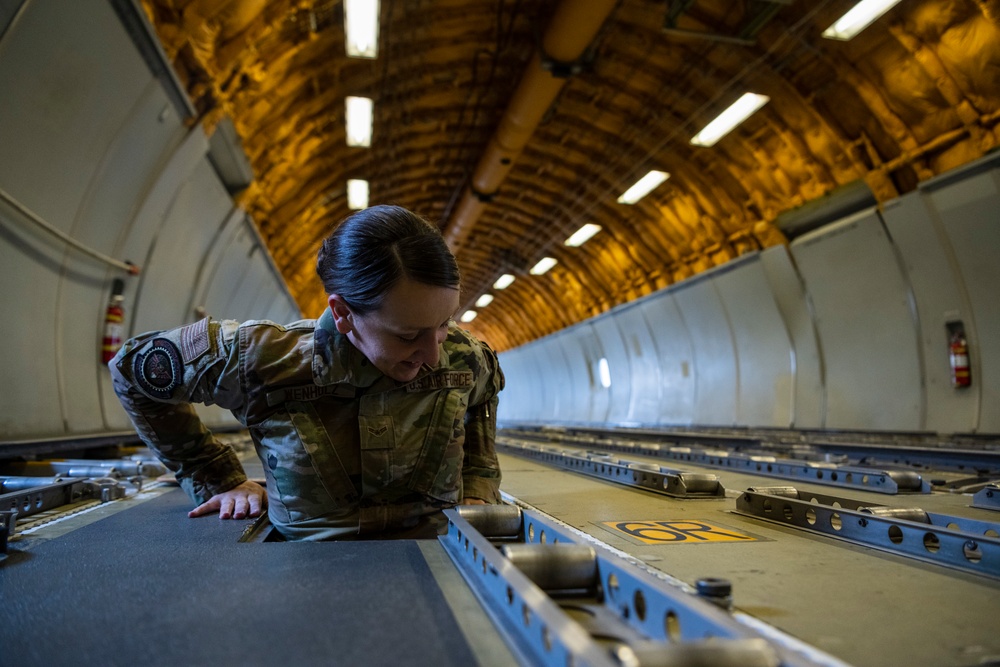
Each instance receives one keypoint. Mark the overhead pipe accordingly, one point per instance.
(573, 28)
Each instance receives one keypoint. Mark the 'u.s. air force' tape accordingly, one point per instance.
(158, 370)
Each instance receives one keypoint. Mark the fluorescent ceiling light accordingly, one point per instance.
(484, 300)
(605, 372)
(359, 121)
(361, 28)
(543, 265)
(643, 187)
(357, 194)
(724, 123)
(582, 235)
(469, 315)
(858, 18)
(504, 281)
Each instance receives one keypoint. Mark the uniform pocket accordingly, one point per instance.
(438, 469)
(300, 462)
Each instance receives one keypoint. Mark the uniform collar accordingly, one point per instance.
(336, 360)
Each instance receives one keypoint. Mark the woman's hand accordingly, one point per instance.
(469, 500)
(239, 502)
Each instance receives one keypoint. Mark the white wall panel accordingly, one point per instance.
(866, 327)
(969, 209)
(77, 148)
(715, 365)
(547, 371)
(615, 355)
(790, 298)
(929, 262)
(675, 359)
(766, 373)
(30, 403)
(125, 176)
(589, 401)
(228, 270)
(137, 234)
(62, 107)
(177, 253)
(521, 384)
(90, 143)
(644, 366)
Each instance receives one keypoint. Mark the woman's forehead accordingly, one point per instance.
(415, 305)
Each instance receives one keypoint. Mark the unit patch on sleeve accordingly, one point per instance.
(158, 371)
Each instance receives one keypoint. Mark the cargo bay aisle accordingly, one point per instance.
(862, 605)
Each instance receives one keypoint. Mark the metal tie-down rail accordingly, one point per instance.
(641, 474)
(987, 498)
(26, 496)
(965, 544)
(816, 472)
(563, 598)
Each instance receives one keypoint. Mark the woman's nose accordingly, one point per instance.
(429, 351)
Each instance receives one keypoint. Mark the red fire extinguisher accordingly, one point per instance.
(958, 348)
(114, 319)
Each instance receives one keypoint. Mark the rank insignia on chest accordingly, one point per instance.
(447, 380)
(158, 370)
(377, 432)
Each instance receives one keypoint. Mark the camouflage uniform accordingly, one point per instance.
(345, 449)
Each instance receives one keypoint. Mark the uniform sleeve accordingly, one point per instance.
(481, 470)
(158, 376)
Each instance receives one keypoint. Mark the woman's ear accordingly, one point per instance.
(342, 315)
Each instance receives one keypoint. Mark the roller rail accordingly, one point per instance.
(817, 472)
(956, 542)
(561, 597)
(26, 496)
(877, 449)
(641, 474)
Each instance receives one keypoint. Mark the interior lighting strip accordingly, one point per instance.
(828, 474)
(956, 542)
(536, 576)
(643, 475)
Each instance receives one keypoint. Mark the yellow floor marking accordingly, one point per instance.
(676, 532)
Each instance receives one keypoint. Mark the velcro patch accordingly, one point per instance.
(194, 340)
(447, 380)
(377, 432)
(158, 370)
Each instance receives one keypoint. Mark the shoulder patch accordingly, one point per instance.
(447, 380)
(159, 369)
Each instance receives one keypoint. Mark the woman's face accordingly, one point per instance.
(405, 333)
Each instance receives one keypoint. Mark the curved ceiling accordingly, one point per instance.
(511, 123)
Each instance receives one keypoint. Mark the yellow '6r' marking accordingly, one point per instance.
(675, 532)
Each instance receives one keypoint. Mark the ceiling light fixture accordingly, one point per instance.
(726, 121)
(361, 28)
(643, 187)
(357, 194)
(469, 315)
(582, 235)
(858, 18)
(504, 281)
(543, 265)
(359, 121)
(484, 301)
